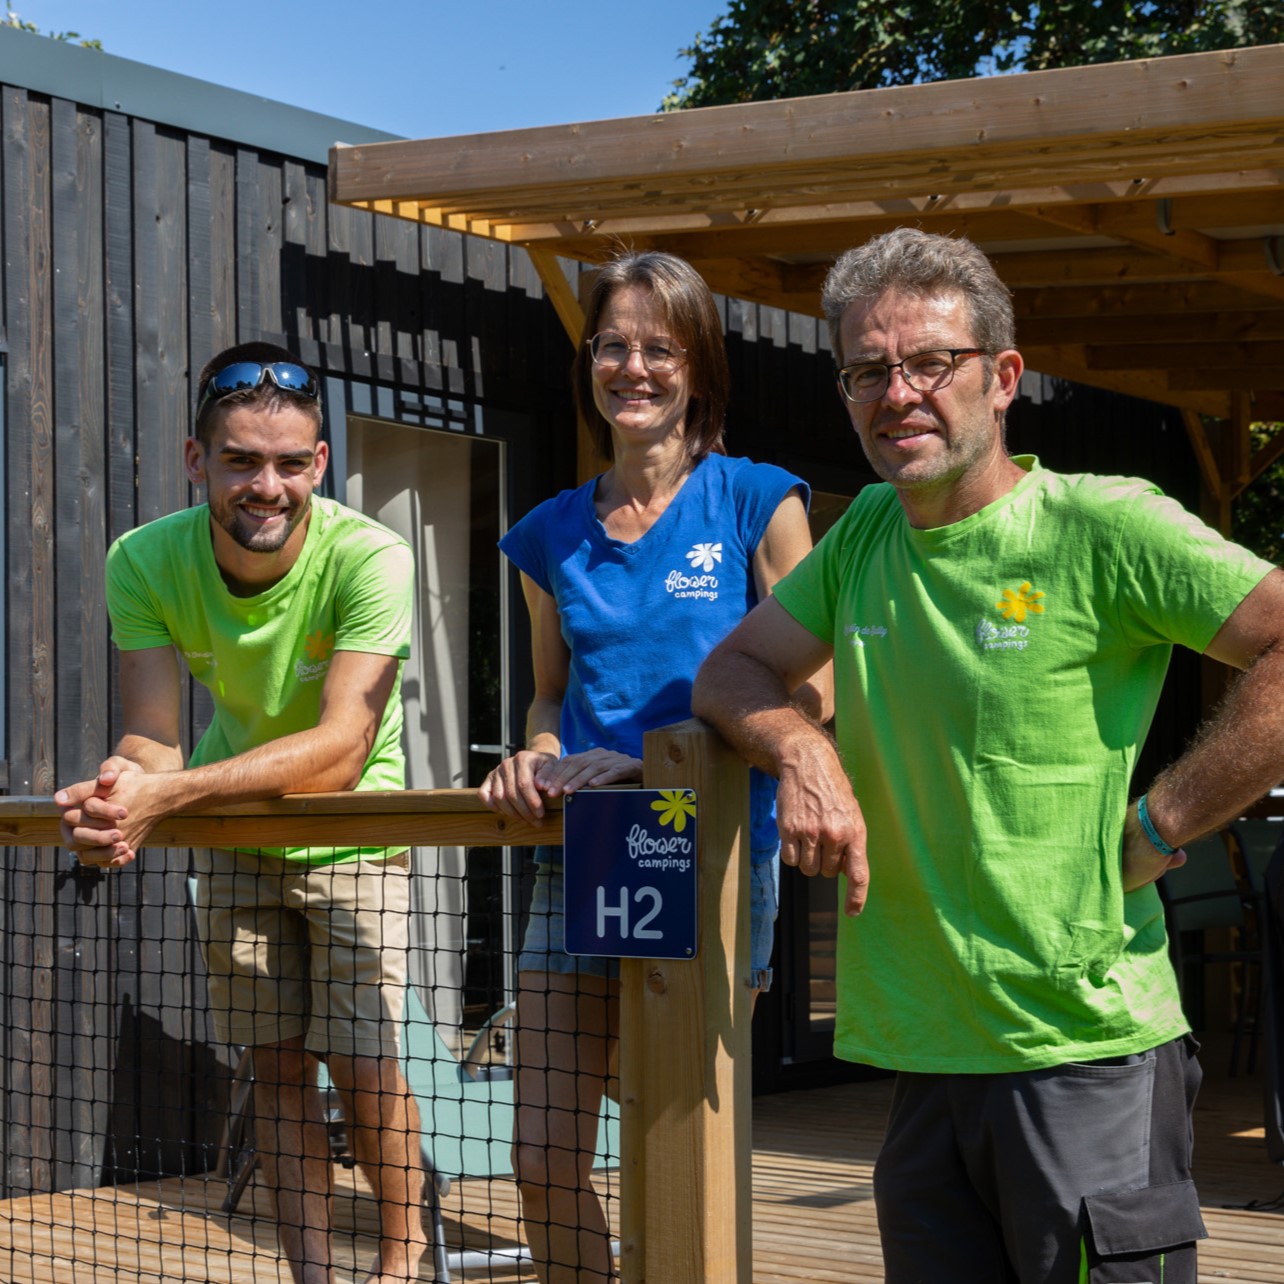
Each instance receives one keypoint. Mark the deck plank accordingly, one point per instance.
(813, 1208)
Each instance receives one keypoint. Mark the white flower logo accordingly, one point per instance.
(703, 556)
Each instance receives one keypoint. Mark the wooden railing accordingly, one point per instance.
(684, 1037)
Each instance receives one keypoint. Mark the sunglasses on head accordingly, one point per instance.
(241, 375)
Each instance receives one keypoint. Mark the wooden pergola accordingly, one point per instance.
(1135, 209)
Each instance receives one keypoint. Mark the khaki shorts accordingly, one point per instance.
(315, 950)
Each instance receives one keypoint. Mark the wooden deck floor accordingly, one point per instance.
(813, 1210)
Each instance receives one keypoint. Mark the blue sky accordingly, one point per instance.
(420, 68)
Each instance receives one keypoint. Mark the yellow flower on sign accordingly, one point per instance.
(319, 645)
(674, 806)
(1019, 603)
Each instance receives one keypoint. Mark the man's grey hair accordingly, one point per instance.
(923, 265)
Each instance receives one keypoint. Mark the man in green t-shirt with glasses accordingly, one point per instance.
(1000, 634)
(295, 613)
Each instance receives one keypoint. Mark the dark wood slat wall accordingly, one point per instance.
(81, 1012)
(40, 280)
(20, 230)
(132, 252)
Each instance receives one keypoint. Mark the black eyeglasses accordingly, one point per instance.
(241, 375)
(924, 372)
(612, 350)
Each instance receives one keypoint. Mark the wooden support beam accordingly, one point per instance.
(588, 460)
(1206, 457)
(685, 1103)
(1239, 471)
(561, 293)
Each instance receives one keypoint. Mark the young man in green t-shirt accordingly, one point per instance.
(295, 613)
(999, 635)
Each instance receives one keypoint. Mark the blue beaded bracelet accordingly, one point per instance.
(1148, 825)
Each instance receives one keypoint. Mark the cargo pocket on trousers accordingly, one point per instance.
(1144, 1236)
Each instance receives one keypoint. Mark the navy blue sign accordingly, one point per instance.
(630, 864)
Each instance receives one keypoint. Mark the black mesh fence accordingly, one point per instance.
(237, 1067)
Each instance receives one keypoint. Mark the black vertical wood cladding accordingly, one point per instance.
(131, 253)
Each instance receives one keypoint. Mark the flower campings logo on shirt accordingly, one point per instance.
(699, 581)
(703, 557)
(1015, 606)
(319, 646)
(1019, 603)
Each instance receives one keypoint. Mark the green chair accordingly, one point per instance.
(1257, 841)
(1202, 895)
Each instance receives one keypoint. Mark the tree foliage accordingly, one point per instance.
(18, 23)
(1258, 512)
(763, 49)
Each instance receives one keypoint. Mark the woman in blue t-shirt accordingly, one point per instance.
(630, 581)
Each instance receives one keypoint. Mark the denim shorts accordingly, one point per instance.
(544, 946)
(764, 906)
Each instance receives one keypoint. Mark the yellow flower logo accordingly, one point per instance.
(1019, 603)
(674, 806)
(319, 645)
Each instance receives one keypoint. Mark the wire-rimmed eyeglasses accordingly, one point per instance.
(924, 372)
(610, 349)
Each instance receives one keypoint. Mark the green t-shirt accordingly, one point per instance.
(995, 680)
(264, 659)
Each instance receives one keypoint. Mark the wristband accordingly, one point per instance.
(1148, 827)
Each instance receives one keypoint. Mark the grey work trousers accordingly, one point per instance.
(1077, 1174)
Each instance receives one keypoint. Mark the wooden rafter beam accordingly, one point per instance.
(1238, 361)
(637, 178)
(1067, 362)
(786, 220)
(1139, 299)
(1031, 270)
(1197, 378)
(1241, 261)
(1183, 328)
(1196, 113)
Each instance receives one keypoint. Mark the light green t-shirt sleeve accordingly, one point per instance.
(136, 618)
(376, 603)
(810, 592)
(1178, 578)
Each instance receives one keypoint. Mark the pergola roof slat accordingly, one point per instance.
(1151, 190)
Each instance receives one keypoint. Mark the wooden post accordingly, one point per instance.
(685, 1070)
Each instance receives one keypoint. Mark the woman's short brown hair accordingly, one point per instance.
(693, 321)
